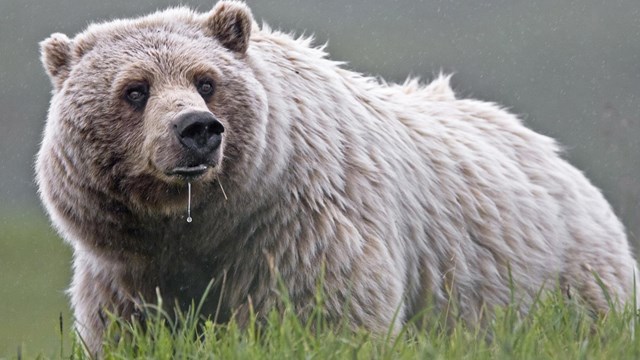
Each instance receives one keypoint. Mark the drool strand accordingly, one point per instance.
(189, 219)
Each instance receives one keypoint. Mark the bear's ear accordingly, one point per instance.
(230, 23)
(56, 58)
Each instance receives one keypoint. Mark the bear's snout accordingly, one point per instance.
(199, 132)
(200, 135)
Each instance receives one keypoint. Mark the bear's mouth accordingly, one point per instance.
(189, 171)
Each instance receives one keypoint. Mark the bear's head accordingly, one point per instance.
(144, 106)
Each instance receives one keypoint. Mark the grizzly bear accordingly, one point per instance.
(183, 149)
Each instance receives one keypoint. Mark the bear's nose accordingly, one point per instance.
(199, 131)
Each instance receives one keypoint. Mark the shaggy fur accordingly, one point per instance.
(400, 195)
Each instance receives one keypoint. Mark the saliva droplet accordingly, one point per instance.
(189, 219)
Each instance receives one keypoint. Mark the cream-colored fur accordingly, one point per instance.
(406, 195)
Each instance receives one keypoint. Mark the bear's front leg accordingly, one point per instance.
(96, 293)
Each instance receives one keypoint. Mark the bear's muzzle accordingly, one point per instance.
(200, 134)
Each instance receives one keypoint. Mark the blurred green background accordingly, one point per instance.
(571, 68)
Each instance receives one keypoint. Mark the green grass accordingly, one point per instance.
(556, 328)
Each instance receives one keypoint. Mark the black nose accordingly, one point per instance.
(199, 131)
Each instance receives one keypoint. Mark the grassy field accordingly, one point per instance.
(34, 271)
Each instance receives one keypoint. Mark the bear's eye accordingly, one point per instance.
(205, 87)
(136, 94)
